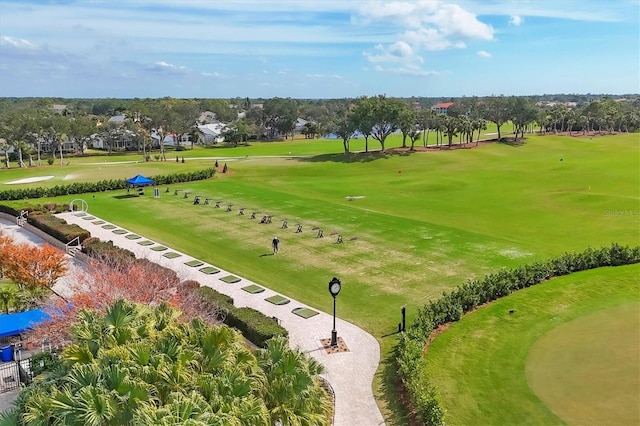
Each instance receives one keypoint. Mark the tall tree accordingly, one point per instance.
(496, 109)
(407, 122)
(343, 126)
(385, 116)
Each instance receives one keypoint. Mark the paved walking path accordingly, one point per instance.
(349, 373)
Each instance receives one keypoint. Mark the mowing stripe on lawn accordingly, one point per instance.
(109, 226)
(194, 263)
(172, 255)
(278, 300)
(132, 237)
(253, 289)
(158, 248)
(146, 243)
(230, 279)
(120, 231)
(305, 312)
(209, 270)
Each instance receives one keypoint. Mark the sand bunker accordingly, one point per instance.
(29, 180)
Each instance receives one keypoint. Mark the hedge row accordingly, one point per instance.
(56, 227)
(451, 306)
(103, 185)
(254, 325)
(105, 250)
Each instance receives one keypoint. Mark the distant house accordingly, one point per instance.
(211, 134)
(207, 117)
(117, 119)
(59, 109)
(442, 107)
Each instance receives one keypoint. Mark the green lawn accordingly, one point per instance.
(126, 165)
(413, 224)
(481, 369)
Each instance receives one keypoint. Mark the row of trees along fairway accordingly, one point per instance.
(32, 128)
(137, 365)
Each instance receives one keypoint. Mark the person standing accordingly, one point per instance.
(276, 244)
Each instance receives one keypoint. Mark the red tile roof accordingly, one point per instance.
(444, 104)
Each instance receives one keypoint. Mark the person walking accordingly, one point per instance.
(275, 243)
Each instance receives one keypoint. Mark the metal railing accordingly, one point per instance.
(71, 248)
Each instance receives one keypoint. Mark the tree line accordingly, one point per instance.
(34, 128)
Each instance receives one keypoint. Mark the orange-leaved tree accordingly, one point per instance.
(35, 268)
(105, 281)
(7, 248)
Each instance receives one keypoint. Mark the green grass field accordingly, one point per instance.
(125, 165)
(413, 224)
(493, 367)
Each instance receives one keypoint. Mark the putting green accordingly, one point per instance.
(587, 371)
(485, 366)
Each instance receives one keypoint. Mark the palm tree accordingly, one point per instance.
(132, 364)
(293, 395)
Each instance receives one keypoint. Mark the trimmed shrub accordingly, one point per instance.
(254, 325)
(56, 227)
(216, 298)
(105, 250)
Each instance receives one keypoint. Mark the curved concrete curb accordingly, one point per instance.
(349, 373)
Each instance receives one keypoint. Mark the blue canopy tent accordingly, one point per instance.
(139, 181)
(14, 324)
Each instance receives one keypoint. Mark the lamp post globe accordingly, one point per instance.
(334, 288)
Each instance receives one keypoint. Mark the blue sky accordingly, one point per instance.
(318, 48)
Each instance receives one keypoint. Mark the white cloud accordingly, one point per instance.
(399, 51)
(167, 67)
(336, 76)
(211, 74)
(484, 54)
(18, 43)
(411, 70)
(448, 19)
(423, 25)
(516, 20)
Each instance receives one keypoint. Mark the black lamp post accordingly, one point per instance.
(334, 289)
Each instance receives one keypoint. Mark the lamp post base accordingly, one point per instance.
(334, 338)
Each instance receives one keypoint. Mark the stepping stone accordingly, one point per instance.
(132, 237)
(80, 214)
(278, 300)
(230, 279)
(159, 248)
(253, 289)
(209, 270)
(194, 263)
(120, 231)
(172, 255)
(98, 222)
(305, 312)
(109, 226)
(146, 243)
(88, 218)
